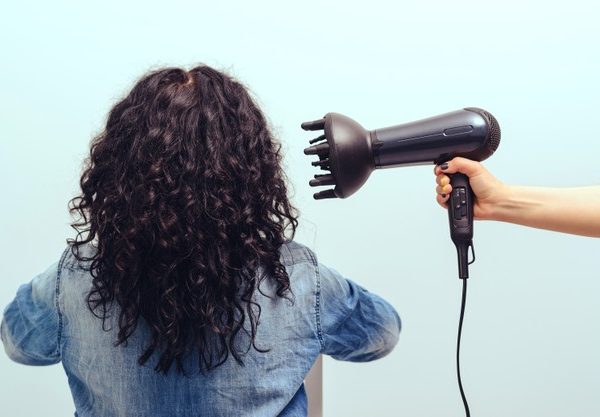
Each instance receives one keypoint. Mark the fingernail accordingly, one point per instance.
(443, 195)
(444, 166)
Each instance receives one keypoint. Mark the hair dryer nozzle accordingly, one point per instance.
(346, 153)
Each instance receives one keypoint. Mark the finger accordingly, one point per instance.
(446, 189)
(442, 179)
(444, 197)
(463, 165)
(442, 201)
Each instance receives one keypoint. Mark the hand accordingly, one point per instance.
(488, 189)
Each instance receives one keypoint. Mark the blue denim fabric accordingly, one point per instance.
(49, 322)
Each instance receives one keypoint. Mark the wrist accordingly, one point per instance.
(504, 204)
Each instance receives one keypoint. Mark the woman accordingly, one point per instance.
(568, 210)
(181, 294)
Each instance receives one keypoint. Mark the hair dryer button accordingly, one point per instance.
(457, 215)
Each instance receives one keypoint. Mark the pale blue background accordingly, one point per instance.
(532, 336)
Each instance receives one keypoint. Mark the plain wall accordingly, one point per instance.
(531, 343)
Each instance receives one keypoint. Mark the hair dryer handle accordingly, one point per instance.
(460, 216)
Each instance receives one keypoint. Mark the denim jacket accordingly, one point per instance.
(49, 322)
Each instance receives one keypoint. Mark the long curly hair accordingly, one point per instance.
(183, 197)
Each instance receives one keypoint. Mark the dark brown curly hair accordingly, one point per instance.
(183, 197)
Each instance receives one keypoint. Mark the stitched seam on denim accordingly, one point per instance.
(317, 299)
(57, 302)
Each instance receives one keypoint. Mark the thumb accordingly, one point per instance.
(463, 165)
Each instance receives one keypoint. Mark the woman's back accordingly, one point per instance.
(49, 321)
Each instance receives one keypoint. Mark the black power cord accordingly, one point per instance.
(460, 324)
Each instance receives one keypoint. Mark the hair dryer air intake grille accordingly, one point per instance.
(494, 134)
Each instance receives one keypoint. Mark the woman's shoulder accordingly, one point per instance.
(78, 257)
(293, 252)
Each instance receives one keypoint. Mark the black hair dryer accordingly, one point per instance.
(350, 153)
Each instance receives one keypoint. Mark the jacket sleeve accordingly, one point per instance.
(356, 325)
(30, 325)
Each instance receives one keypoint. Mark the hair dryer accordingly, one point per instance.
(351, 153)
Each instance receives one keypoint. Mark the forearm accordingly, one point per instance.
(568, 210)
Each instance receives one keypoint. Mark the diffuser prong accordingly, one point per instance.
(317, 139)
(314, 125)
(325, 194)
(320, 163)
(320, 149)
(322, 180)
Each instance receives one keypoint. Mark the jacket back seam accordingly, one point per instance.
(317, 299)
(57, 300)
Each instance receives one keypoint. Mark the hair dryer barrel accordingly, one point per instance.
(472, 133)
